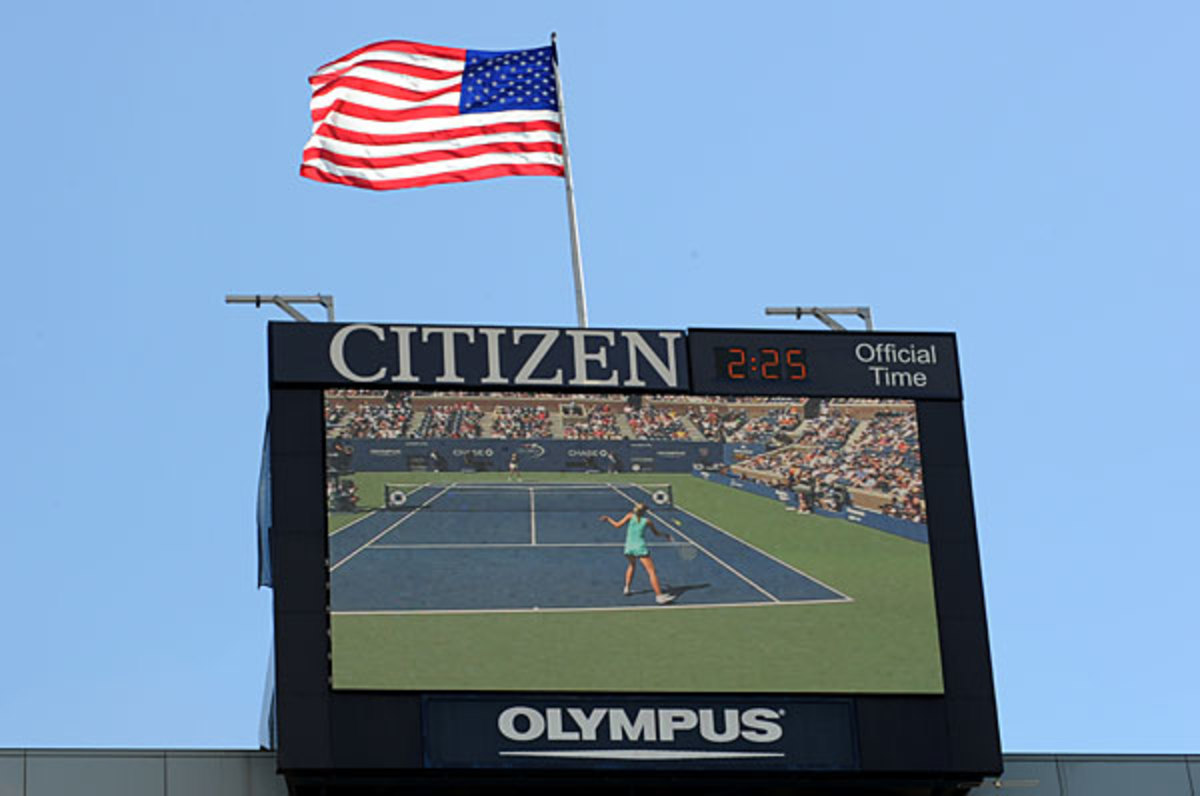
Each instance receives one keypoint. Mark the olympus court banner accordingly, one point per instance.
(767, 733)
(740, 362)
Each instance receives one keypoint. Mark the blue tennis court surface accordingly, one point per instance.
(526, 546)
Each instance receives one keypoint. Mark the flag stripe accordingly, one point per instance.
(380, 164)
(373, 77)
(467, 175)
(385, 98)
(389, 67)
(413, 124)
(357, 150)
(405, 52)
(402, 115)
(330, 133)
(348, 114)
(438, 166)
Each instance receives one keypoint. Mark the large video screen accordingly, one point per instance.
(520, 541)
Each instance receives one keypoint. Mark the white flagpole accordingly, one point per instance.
(573, 223)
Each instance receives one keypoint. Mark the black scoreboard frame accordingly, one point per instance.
(332, 741)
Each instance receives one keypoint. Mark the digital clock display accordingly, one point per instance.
(743, 363)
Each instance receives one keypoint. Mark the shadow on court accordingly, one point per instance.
(679, 591)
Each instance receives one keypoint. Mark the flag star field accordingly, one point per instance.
(495, 81)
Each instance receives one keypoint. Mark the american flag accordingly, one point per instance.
(398, 114)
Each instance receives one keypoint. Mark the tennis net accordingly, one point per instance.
(611, 498)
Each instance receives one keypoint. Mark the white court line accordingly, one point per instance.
(390, 527)
(675, 606)
(507, 545)
(416, 488)
(765, 553)
(532, 519)
(707, 552)
(355, 522)
(550, 487)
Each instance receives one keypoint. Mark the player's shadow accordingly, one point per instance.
(679, 589)
(671, 588)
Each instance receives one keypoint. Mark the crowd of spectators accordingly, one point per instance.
(594, 422)
(341, 494)
(459, 420)
(392, 415)
(385, 414)
(831, 498)
(722, 425)
(339, 457)
(357, 392)
(767, 428)
(725, 424)
(652, 422)
(385, 419)
(906, 507)
(828, 430)
(889, 431)
(837, 452)
(521, 422)
(731, 399)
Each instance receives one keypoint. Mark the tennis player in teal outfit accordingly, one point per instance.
(636, 523)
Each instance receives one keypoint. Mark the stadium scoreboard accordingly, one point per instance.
(634, 558)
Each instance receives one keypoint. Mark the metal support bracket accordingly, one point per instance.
(825, 315)
(285, 303)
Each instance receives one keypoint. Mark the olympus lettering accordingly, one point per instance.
(648, 725)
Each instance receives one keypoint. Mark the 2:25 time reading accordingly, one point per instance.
(772, 364)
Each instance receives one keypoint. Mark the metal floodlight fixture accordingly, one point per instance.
(825, 315)
(285, 303)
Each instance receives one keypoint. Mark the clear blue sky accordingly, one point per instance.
(1023, 173)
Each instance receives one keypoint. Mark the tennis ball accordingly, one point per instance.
(677, 522)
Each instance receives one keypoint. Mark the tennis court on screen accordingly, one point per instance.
(470, 547)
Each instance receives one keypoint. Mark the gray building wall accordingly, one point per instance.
(1097, 775)
(121, 772)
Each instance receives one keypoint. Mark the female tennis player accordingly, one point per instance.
(636, 524)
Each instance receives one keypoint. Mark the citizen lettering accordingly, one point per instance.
(366, 353)
(524, 724)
